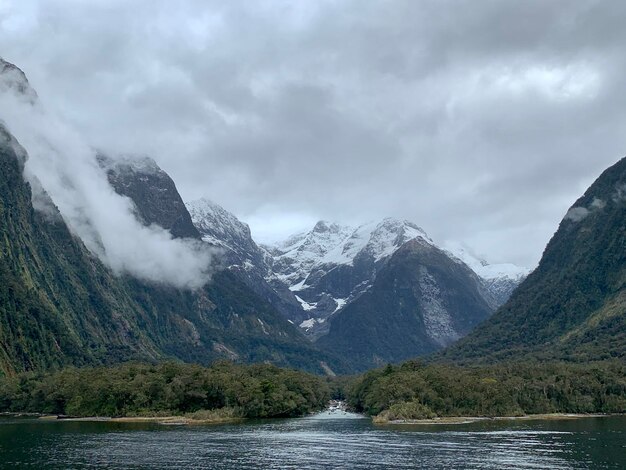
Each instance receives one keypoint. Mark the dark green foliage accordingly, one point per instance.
(224, 319)
(59, 305)
(257, 391)
(415, 391)
(573, 306)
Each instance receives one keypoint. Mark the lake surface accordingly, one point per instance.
(322, 441)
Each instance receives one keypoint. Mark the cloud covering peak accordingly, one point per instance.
(64, 165)
(480, 120)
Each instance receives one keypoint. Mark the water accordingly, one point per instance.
(317, 442)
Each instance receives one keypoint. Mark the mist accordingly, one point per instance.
(63, 165)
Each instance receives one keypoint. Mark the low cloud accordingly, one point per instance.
(481, 121)
(576, 214)
(620, 193)
(64, 165)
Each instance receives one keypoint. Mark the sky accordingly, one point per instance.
(481, 121)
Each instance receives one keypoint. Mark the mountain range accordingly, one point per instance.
(338, 284)
(260, 304)
(60, 305)
(333, 299)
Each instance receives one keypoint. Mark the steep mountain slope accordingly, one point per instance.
(242, 256)
(420, 301)
(329, 267)
(157, 199)
(219, 227)
(60, 305)
(499, 280)
(235, 315)
(573, 306)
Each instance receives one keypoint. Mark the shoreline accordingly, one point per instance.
(174, 420)
(168, 420)
(452, 420)
(164, 420)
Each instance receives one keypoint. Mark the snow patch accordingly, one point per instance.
(296, 287)
(310, 323)
(305, 305)
(487, 271)
(263, 326)
(340, 304)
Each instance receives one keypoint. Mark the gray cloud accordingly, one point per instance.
(480, 121)
(64, 166)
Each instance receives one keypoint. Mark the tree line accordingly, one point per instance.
(415, 390)
(412, 390)
(170, 388)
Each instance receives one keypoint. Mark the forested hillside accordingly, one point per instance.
(60, 305)
(573, 306)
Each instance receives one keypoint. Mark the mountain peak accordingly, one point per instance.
(151, 189)
(129, 163)
(324, 226)
(12, 78)
(481, 267)
(221, 228)
(209, 216)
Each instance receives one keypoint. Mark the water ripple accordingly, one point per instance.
(312, 443)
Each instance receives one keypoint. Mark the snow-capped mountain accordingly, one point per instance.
(221, 228)
(332, 265)
(499, 279)
(296, 257)
(243, 256)
(312, 277)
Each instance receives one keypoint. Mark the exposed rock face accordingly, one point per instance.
(220, 228)
(242, 256)
(332, 265)
(420, 301)
(60, 305)
(153, 192)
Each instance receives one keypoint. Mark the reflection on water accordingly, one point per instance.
(326, 440)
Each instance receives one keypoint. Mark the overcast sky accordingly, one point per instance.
(481, 121)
